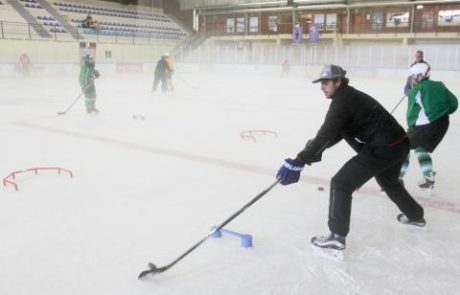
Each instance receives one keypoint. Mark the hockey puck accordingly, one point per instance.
(320, 188)
(138, 117)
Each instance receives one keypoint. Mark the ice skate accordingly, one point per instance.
(428, 181)
(92, 110)
(427, 184)
(331, 246)
(415, 224)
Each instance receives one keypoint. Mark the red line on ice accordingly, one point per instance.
(434, 202)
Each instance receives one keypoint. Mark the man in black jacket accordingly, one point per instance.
(381, 145)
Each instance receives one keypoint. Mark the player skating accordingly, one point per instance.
(285, 68)
(87, 75)
(169, 71)
(429, 105)
(24, 60)
(162, 74)
(381, 145)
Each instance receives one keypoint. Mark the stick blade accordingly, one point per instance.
(153, 269)
(60, 113)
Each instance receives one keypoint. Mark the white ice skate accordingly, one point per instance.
(331, 246)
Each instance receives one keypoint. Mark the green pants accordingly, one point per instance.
(90, 96)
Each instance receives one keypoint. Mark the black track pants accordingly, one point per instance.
(382, 163)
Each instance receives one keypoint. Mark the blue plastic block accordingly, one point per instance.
(216, 234)
(245, 239)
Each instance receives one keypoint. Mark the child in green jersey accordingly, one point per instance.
(429, 105)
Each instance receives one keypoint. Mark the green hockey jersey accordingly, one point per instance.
(428, 101)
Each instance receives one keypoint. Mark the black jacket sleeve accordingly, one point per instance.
(329, 134)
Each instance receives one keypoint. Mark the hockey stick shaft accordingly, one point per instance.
(153, 268)
(185, 82)
(71, 105)
(397, 105)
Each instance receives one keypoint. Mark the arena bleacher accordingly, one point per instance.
(110, 20)
(121, 22)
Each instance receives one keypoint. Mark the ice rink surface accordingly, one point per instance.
(146, 190)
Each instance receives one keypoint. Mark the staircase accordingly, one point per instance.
(57, 16)
(191, 42)
(29, 18)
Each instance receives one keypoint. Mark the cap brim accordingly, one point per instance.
(319, 80)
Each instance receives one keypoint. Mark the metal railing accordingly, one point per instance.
(360, 28)
(439, 56)
(27, 31)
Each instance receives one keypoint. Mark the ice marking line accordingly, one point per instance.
(434, 202)
(156, 150)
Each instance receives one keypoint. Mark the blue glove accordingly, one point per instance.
(290, 172)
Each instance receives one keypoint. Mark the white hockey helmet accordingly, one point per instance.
(166, 54)
(86, 53)
(419, 71)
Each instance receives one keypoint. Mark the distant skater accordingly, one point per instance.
(162, 73)
(24, 60)
(169, 72)
(88, 74)
(418, 59)
(285, 68)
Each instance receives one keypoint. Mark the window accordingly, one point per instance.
(449, 18)
(397, 18)
(331, 22)
(427, 19)
(377, 21)
(230, 25)
(240, 25)
(319, 19)
(273, 23)
(253, 24)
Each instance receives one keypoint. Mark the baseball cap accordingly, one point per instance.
(331, 72)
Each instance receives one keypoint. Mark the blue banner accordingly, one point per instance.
(297, 33)
(313, 33)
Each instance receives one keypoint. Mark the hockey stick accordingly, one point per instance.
(185, 82)
(153, 269)
(397, 105)
(71, 105)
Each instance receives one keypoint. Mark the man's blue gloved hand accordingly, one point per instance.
(289, 172)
